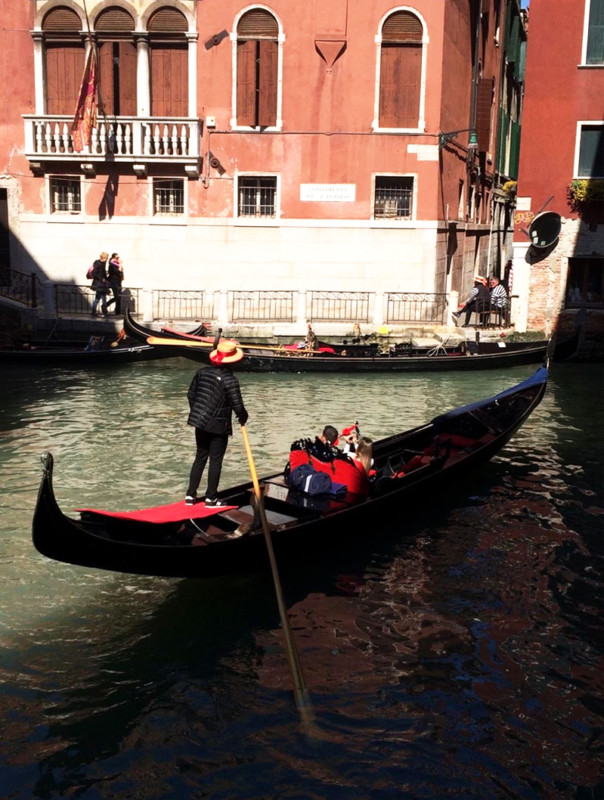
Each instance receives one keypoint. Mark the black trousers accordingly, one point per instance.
(212, 446)
(116, 288)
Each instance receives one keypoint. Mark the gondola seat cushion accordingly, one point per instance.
(341, 470)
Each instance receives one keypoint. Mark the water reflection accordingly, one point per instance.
(453, 653)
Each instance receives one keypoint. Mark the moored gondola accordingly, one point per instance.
(100, 350)
(365, 358)
(181, 541)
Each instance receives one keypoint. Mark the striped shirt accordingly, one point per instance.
(499, 296)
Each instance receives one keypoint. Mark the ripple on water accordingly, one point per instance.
(454, 653)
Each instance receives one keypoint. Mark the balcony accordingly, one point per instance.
(140, 141)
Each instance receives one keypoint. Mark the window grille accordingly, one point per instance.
(65, 196)
(257, 197)
(168, 197)
(393, 197)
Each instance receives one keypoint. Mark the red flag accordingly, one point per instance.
(85, 115)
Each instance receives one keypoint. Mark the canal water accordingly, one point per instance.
(450, 652)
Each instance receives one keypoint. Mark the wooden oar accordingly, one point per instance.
(300, 691)
(158, 340)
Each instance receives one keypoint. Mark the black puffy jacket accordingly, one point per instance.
(213, 394)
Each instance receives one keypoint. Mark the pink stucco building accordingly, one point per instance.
(330, 145)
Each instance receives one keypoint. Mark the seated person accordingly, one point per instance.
(479, 300)
(325, 446)
(364, 453)
(350, 436)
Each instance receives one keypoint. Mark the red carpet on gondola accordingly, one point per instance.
(174, 512)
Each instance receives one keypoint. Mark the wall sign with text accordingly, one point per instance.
(328, 192)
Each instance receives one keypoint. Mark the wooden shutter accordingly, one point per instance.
(403, 26)
(257, 24)
(117, 78)
(127, 78)
(64, 64)
(246, 82)
(267, 89)
(114, 21)
(400, 84)
(484, 101)
(169, 80)
(168, 19)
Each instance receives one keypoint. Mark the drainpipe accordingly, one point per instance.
(473, 97)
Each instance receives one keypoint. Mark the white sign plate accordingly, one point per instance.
(328, 192)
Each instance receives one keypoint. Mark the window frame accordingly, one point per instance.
(580, 125)
(257, 219)
(280, 42)
(168, 215)
(409, 176)
(65, 179)
(586, 31)
(421, 123)
(584, 303)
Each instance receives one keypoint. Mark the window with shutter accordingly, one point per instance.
(257, 69)
(168, 52)
(484, 103)
(64, 54)
(117, 62)
(400, 71)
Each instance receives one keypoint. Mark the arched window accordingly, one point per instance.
(117, 61)
(400, 71)
(169, 63)
(257, 69)
(64, 53)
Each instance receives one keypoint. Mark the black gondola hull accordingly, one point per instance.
(143, 548)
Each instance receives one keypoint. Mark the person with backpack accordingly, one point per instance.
(100, 284)
(214, 393)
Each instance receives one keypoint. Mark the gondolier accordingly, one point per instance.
(213, 395)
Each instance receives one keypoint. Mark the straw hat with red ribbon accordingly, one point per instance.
(226, 353)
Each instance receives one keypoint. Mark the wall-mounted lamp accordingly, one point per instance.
(449, 136)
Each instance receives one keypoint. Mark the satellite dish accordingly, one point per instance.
(545, 229)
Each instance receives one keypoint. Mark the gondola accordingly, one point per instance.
(363, 357)
(99, 350)
(196, 541)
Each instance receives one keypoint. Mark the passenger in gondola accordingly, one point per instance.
(213, 395)
(325, 446)
(363, 454)
(350, 437)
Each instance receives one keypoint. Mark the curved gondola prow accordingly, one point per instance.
(45, 502)
(141, 333)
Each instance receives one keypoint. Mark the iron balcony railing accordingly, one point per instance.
(339, 307)
(254, 306)
(73, 300)
(182, 304)
(127, 139)
(416, 307)
(20, 286)
(261, 306)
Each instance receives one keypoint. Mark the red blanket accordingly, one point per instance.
(174, 512)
